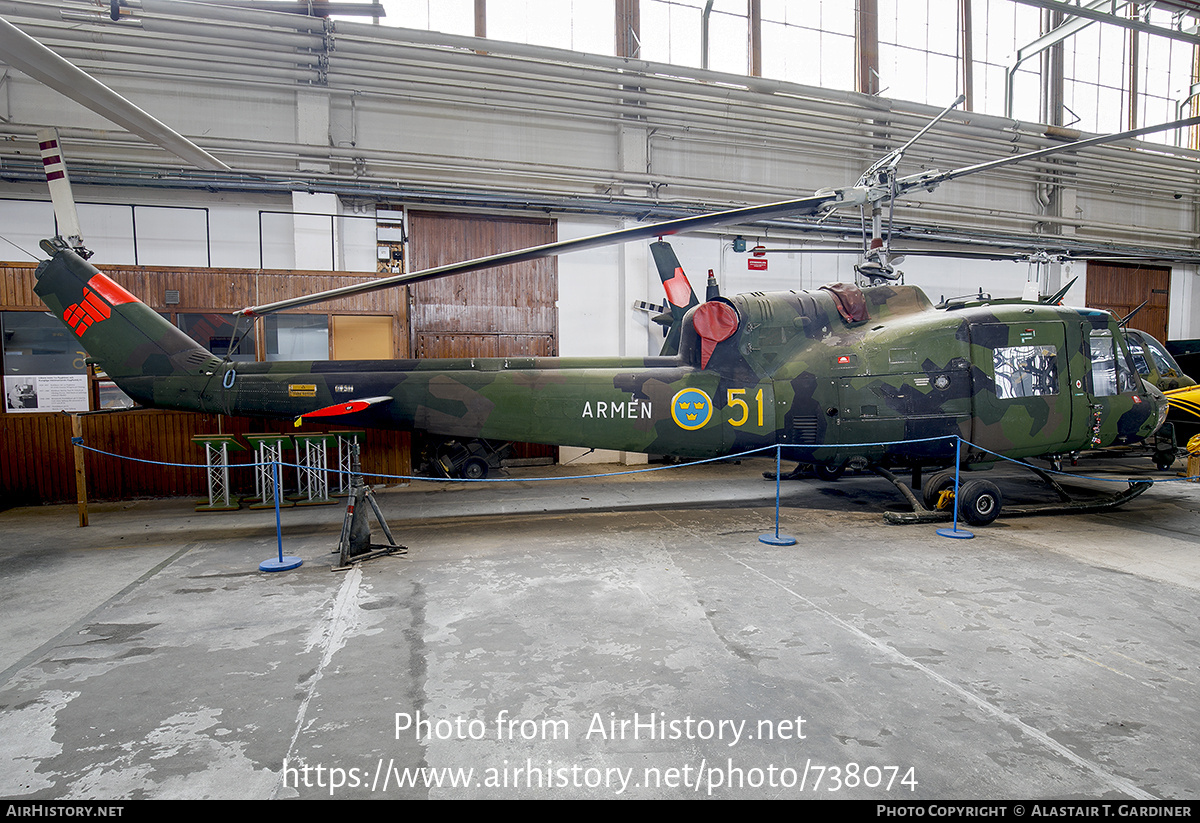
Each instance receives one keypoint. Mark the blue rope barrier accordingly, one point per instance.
(1073, 474)
(776, 539)
(735, 456)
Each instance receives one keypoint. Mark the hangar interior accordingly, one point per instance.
(440, 131)
(617, 636)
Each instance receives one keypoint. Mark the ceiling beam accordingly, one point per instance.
(1072, 10)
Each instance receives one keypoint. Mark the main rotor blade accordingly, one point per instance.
(893, 158)
(931, 179)
(957, 100)
(804, 205)
(814, 204)
(20, 50)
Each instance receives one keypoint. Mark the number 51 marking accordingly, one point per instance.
(734, 399)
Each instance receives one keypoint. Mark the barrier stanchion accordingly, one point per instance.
(774, 539)
(777, 539)
(280, 563)
(955, 532)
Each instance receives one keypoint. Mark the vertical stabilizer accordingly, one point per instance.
(128, 339)
(680, 296)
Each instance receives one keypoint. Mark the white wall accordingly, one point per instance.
(1184, 311)
(182, 228)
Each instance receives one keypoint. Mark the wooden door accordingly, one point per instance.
(511, 311)
(1121, 287)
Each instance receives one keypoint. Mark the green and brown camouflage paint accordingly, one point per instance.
(795, 371)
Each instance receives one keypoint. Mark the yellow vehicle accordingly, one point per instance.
(1184, 411)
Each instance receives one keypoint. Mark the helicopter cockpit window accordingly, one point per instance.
(1111, 372)
(1025, 371)
(1161, 357)
(1139, 356)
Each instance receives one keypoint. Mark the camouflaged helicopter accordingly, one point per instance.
(876, 377)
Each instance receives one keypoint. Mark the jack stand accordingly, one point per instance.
(354, 546)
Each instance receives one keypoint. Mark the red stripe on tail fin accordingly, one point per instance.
(110, 291)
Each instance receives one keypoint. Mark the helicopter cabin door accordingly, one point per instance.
(1022, 389)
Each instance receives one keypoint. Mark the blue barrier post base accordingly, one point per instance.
(957, 534)
(777, 539)
(280, 564)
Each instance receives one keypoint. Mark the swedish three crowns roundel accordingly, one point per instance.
(691, 409)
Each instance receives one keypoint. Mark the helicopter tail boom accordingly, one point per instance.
(126, 338)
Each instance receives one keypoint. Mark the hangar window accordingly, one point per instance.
(578, 25)
(449, 16)
(671, 33)
(214, 332)
(44, 365)
(1025, 371)
(808, 43)
(296, 337)
(919, 50)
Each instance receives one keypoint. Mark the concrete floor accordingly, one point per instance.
(599, 638)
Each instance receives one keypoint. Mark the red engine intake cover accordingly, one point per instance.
(715, 321)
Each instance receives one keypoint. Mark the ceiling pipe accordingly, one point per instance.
(348, 45)
(667, 99)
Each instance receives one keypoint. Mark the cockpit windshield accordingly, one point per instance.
(1111, 371)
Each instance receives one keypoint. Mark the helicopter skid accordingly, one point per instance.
(1065, 505)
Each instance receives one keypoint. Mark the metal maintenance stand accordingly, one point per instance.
(268, 450)
(354, 545)
(312, 472)
(216, 459)
(347, 441)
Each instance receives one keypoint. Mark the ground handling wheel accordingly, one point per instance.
(979, 502)
(829, 472)
(474, 468)
(934, 485)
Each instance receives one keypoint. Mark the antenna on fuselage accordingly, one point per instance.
(1056, 298)
(1124, 321)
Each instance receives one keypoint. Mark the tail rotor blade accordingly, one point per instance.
(60, 191)
(679, 291)
(680, 296)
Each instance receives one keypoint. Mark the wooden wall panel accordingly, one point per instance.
(38, 459)
(516, 299)
(1121, 288)
(16, 287)
(433, 344)
(527, 345)
(502, 312)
